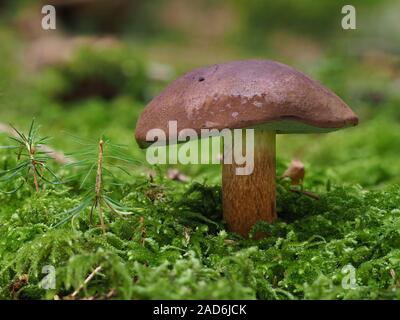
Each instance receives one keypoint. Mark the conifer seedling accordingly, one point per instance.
(31, 161)
(96, 165)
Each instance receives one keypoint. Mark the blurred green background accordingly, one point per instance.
(94, 74)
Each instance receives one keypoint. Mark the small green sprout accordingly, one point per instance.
(96, 164)
(31, 160)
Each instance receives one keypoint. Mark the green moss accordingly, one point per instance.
(176, 247)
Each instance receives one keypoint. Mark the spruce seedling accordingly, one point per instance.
(32, 160)
(98, 161)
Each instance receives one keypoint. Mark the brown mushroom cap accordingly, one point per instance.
(246, 94)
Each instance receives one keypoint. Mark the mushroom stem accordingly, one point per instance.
(249, 198)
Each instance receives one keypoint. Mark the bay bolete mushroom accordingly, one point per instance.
(268, 96)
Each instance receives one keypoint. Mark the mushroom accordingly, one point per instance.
(268, 96)
(295, 172)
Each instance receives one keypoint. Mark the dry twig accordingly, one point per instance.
(87, 280)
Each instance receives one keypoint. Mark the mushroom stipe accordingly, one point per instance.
(249, 198)
(268, 96)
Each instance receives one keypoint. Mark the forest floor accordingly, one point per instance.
(174, 244)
